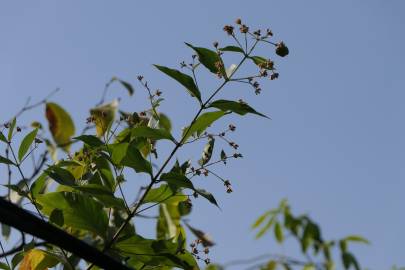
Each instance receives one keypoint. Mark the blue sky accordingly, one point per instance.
(334, 147)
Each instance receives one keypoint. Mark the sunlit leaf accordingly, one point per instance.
(207, 152)
(60, 124)
(37, 259)
(26, 143)
(183, 79)
(229, 71)
(103, 117)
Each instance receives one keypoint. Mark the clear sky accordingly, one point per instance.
(334, 147)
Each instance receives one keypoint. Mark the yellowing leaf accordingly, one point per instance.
(103, 117)
(37, 259)
(60, 124)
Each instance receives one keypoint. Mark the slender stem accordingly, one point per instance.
(2, 250)
(237, 41)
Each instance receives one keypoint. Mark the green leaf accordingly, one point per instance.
(209, 59)
(26, 143)
(309, 267)
(125, 84)
(56, 217)
(278, 232)
(185, 208)
(183, 79)
(4, 266)
(79, 211)
(271, 265)
(176, 180)
(155, 253)
(135, 160)
(3, 138)
(356, 238)
(260, 219)
(103, 194)
(262, 62)
(118, 152)
(168, 221)
(39, 185)
(6, 161)
(11, 129)
(151, 133)
(90, 140)
(207, 195)
(17, 258)
(232, 49)
(61, 175)
(348, 260)
(223, 155)
(236, 107)
(164, 193)
(207, 152)
(266, 227)
(164, 122)
(202, 123)
(60, 124)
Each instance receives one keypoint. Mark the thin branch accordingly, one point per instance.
(2, 250)
(28, 107)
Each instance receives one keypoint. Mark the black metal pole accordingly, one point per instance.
(22, 220)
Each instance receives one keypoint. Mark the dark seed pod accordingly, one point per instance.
(281, 49)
